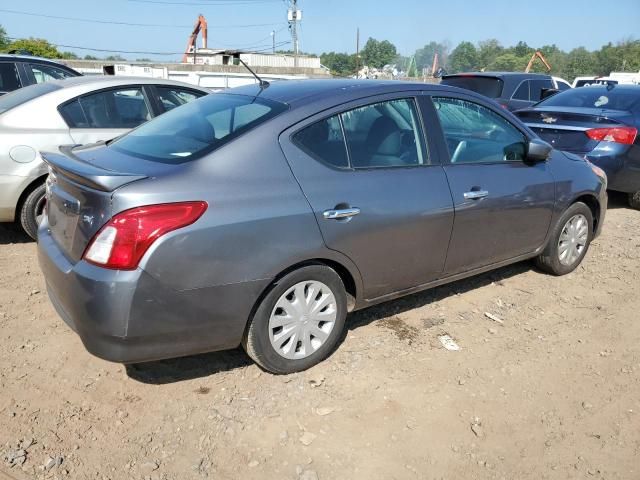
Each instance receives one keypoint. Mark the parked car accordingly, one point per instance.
(262, 216)
(600, 123)
(86, 110)
(17, 71)
(590, 81)
(512, 90)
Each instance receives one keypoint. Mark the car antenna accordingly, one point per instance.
(261, 82)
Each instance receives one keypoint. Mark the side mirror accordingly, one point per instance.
(538, 150)
(548, 92)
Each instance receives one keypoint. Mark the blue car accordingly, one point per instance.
(599, 123)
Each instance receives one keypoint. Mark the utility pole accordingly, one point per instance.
(293, 18)
(273, 39)
(357, 51)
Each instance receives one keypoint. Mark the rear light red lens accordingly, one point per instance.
(122, 242)
(624, 135)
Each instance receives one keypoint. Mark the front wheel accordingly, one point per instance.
(569, 241)
(299, 321)
(634, 200)
(32, 211)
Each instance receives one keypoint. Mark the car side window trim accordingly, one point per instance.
(337, 111)
(446, 159)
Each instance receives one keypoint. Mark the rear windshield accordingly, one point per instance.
(609, 98)
(590, 83)
(23, 95)
(488, 86)
(197, 128)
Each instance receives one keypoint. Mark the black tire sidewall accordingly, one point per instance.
(27, 211)
(553, 260)
(268, 358)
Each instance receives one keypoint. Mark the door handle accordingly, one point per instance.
(341, 213)
(475, 194)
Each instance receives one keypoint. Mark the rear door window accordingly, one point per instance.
(9, 79)
(386, 134)
(522, 92)
(172, 97)
(46, 73)
(476, 134)
(536, 87)
(115, 108)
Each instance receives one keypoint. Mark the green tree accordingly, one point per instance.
(69, 56)
(580, 62)
(36, 46)
(143, 59)
(341, 64)
(488, 51)
(90, 57)
(522, 49)
(463, 58)
(508, 62)
(4, 40)
(378, 53)
(115, 58)
(424, 56)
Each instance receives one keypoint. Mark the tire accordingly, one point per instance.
(634, 200)
(266, 342)
(31, 208)
(550, 259)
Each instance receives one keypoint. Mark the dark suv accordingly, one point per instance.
(510, 89)
(17, 71)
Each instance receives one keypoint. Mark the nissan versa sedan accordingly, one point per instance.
(72, 111)
(601, 123)
(262, 215)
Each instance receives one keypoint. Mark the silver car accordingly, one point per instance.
(73, 111)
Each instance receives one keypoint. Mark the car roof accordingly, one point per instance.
(30, 58)
(106, 81)
(520, 75)
(301, 91)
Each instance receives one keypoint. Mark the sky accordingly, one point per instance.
(327, 25)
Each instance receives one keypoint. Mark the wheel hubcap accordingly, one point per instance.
(573, 239)
(302, 319)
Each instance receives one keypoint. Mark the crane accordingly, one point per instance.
(537, 54)
(201, 25)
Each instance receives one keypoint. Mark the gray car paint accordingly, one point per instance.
(196, 288)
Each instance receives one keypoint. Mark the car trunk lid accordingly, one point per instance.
(565, 127)
(79, 195)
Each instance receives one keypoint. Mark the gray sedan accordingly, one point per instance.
(262, 215)
(72, 111)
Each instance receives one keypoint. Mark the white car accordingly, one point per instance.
(72, 111)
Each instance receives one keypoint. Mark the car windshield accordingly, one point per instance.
(610, 98)
(23, 95)
(488, 86)
(197, 128)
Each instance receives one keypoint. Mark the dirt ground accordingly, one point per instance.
(552, 392)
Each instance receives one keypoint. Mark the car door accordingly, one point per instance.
(503, 203)
(378, 191)
(106, 114)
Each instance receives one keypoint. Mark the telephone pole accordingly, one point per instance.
(357, 51)
(294, 17)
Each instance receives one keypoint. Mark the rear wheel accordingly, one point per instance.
(32, 211)
(569, 241)
(299, 321)
(634, 200)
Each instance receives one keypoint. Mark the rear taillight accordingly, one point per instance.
(121, 243)
(625, 135)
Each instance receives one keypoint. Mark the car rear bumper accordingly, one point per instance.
(130, 317)
(621, 163)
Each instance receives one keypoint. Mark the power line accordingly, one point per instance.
(129, 24)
